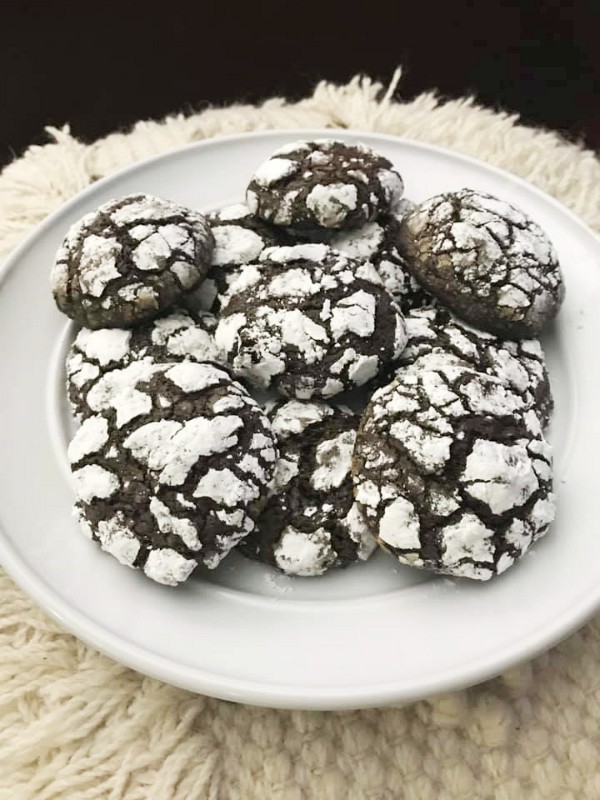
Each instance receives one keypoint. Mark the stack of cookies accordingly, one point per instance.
(321, 370)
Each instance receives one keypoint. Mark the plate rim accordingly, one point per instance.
(196, 680)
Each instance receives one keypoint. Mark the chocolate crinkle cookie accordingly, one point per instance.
(173, 472)
(485, 260)
(129, 261)
(311, 522)
(379, 242)
(94, 353)
(309, 322)
(520, 364)
(323, 183)
(240, 237)
(452, 472)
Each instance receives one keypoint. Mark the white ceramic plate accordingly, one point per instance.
(372, 634)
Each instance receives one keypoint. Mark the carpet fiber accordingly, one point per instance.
(74, 724)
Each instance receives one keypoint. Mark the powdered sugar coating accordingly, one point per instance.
(167, 566)
(379, 242)
(331, 203)
(520, 364)
(95, 353)
(308, 321)
(448, 465)
(311, 523)
(93, 482)
(304, 554)
(130, 260)
(180, 481)
(240, 238)
(171, 449)
(486, 260)
(88, 439)
(323, 184)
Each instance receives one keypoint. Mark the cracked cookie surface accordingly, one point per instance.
(94, 353)
(240, 237)
(452, 472)
(309, 322)
(323, 183)
(311, 523)
(485, 260)
(174, 471)
(519, 363)
(379, 242)
(130, 260)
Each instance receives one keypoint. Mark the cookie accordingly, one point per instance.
(485, 260)
(323, 183)
(379, 243)
(174, 472)
(452, 472)
(240, 238)
(309, 322)
(94, 353)
(311, 523)
(520, 364)
(129, 261)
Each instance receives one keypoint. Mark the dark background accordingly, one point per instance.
(102, 66)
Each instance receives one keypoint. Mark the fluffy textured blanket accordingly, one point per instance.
(73, 724)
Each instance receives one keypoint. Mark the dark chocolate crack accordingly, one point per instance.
(179, 336)
(240, 238)
(486, 260)
(323, 184)
(309, 322)
(310, 523)
(452, 471)
(173, 468)
(131, 260)
(519, 363)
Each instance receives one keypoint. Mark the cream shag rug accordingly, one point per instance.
(76, 725)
